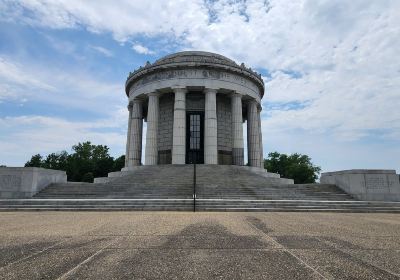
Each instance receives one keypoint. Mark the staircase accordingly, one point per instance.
(218, 188)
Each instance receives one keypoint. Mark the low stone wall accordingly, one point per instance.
(366, 184)
(24, 182)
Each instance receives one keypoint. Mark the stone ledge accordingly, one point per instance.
(366, 184)
(361, 171)
(24, 182)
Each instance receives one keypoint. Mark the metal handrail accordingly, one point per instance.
(194, 184)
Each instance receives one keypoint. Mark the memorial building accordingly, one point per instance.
(195, 104)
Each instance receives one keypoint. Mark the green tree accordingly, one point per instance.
(119, 163)
(85, 161)
(89, 158)
(58, 161)
(35, 161)
(295, 166)
(88, 177)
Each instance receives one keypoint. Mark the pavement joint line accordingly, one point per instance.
(71, 271)
(193, 249)
(35, 254)
(377, 267)
(288, 251)
(240, 249)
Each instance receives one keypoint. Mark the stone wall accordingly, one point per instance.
(366, 184)
(224, 126)
(195, 101)
(165, 127)
(24, 182)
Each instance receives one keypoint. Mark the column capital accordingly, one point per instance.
(210, 90)
(236, 94)
(179, 89)
(137, 100)
(154, 93)
(252, 102)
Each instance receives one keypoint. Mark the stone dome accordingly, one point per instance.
(195, 56)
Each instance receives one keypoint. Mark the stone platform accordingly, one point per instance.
(170, 245)
(218, 188)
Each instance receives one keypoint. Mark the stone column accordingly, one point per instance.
(179, 127)
(237, 130)
(253, 135)
(260, 141)
(136, 130)
(151, 156)
(128, 135)
(210, 127)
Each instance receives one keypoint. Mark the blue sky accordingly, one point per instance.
(331, 70)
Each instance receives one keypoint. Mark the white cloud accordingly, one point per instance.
(26, 135)
(122, 18)
(141, 49)
(14, 73)
(44, 135)
(55, 86)
(103, 51)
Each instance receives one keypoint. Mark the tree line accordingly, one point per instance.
(86, 162)
(295, 166)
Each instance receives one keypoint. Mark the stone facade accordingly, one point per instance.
(193, 103)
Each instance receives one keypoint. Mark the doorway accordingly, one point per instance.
(195, 137)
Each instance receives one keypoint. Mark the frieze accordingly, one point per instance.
(194, 74)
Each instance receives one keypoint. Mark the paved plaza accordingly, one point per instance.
(171, 245)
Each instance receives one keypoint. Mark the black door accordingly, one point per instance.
(194, 137)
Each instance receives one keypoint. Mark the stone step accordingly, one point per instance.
(366, 210)
(201, 205)
(219, 188)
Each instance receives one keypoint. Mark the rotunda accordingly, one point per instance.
(195, 104)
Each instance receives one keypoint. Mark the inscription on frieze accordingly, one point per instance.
(10, 181)
(376, 183)
(195, 74)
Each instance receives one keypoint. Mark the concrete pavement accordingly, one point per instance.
(172, 245)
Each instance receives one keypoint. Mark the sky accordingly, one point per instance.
(331, 71)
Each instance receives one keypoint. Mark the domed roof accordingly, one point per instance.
(195, 56)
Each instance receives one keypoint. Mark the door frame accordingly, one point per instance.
(189, 152)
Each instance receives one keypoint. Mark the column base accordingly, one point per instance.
(237, 156)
